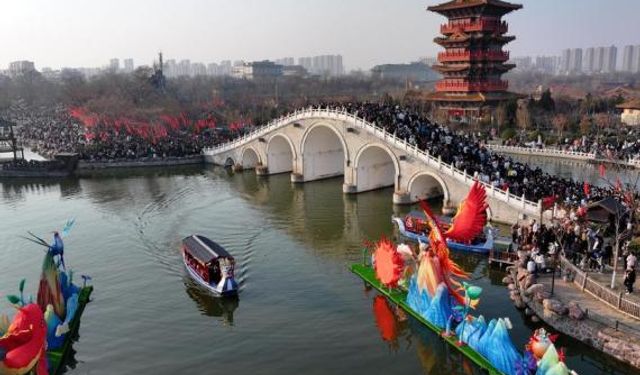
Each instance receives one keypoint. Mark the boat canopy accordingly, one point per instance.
(203, 249)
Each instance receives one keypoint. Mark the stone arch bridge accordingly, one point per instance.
(315, 144)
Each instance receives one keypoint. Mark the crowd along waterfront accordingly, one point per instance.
(300, 308)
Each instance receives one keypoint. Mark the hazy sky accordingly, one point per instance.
(78, 33)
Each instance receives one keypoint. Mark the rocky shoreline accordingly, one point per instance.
(569, 317)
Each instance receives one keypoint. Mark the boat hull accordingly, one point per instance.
(57, 358)
(217, 290)
(483, 248)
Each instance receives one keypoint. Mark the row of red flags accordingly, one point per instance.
(100, 126)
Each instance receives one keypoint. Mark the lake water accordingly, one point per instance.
(300, 310)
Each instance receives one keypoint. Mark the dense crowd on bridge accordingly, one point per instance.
(466, 151)
(52, 130)
(57, 129)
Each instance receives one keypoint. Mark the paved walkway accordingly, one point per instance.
(597, 310)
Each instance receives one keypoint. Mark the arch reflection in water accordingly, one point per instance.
(397, 330)
(209, 305)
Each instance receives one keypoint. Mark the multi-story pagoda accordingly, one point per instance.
(473, 61)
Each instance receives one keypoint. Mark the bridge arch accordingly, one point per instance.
(229, 162)
(324, 153)
(425, 185)
(376, 166)
(280, 154)
(250, 158)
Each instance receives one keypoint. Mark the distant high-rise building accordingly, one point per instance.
(571, 61)
(610, 59)
(128, 65)
(306, 62)
(170, 68)
(523, 63)
(546, 64)
(565, 60)
(598, 60)
(184, 68)
(285, 61)
(588, 60)
(327, 65)
(415, 72)
(19, 68)
(212, 69)
(225, 67)
(627, 58)
(114, 64)
(575, 61)
(198, 69)
(635, 62)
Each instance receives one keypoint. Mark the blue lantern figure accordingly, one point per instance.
(57, 248)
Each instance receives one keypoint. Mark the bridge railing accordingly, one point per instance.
(544, 151)
(462, 176)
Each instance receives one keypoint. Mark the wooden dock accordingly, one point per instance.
(508, 258)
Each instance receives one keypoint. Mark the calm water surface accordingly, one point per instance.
(300, 310)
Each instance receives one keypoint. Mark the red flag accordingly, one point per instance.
(586, 188)
(547, 202)
(602, 170)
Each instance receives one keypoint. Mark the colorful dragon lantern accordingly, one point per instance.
(438, 293)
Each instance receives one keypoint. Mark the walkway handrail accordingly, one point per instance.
(521, 202)
(547, 151)
(614, 299)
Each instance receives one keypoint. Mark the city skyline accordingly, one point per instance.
(250, 30)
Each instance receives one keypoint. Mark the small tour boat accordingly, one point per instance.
(413, 227)
(210, 265)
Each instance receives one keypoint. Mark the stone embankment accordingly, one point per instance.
(85, 165)
(565, 311)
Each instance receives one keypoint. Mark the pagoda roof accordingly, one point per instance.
(479, 97)
(631, 104)
(461, 38)
(461, 4)
(451, 67)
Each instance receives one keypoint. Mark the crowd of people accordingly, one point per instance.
(622, 148)
(52, 130)
(587, 246)
(57, 129)
(466, 151)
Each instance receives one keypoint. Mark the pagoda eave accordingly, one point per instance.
(451, 8)
(450, 69)
(473, 97)
(448, 41)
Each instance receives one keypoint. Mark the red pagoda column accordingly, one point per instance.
(473, 61)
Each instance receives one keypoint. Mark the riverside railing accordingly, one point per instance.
(615, 299)
(543, 152)
(519, 202)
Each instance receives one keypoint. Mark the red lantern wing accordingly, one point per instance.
(471, 217)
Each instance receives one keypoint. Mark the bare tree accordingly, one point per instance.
(523, 115)
(560, 122)
(627, 208)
